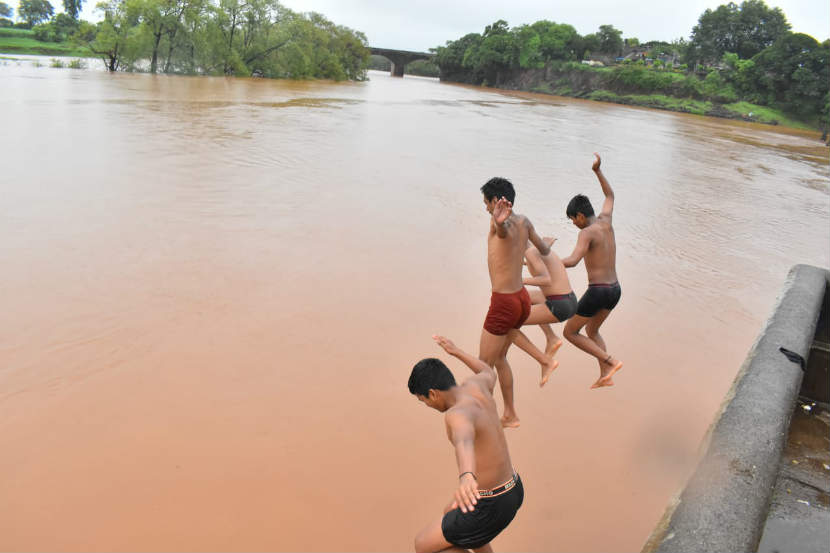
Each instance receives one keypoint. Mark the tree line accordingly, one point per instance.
(209, 37)
(734, 52)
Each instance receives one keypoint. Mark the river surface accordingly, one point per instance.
(213, 291)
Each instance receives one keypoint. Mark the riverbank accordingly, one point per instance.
(22, 41)
(644, 87)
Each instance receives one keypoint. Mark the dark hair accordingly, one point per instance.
(430, 374)
(579, 204)
(498, 187)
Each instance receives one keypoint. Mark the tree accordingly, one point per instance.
(494, 55)
(585, 45)
(794, 74)
(450, 58)
(557, 41)
(745, 30)
(6, 10)
(115, 36)
(35, 11)
(72, 8)
(610, 40)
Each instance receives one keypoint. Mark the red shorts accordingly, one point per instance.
(507, 311)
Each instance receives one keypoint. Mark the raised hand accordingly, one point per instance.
(447, 344)
(502, 210)
(597, 161)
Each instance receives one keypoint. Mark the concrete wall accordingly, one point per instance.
(725, 503)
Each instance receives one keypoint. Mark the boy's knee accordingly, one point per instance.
(490, 362)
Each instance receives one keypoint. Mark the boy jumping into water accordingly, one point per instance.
(489, 491)
(552, 302)
(509, 302)
(597, 245)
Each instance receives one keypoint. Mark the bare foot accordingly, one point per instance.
(602, 382)
(510, 422)
(608, 370)
(553, 348)
(547, 370)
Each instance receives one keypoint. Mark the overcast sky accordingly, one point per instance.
(422, 24)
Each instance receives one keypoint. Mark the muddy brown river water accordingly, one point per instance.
(213, 291)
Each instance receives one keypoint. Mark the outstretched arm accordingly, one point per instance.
(541, 245)
(581, 248)
(483, 371)
(501, 213)
(608, 205)
(541, 276)
(462, 433)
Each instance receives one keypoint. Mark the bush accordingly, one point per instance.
(717, 89)
(77, 63)
(45, 33)
(56, 63)
(5, 23)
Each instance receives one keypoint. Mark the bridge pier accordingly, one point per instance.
(397, 69)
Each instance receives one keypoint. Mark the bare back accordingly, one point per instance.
(493, 466)
(559, 282)
(504, 255)
(601, 257)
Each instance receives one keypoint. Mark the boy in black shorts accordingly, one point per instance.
(596, 244)
(489, 491)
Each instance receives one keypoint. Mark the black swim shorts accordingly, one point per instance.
(491, 515)
(562, 306)
(598, 297)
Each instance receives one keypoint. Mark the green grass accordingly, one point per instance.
(658, 101)
(8, 31)
(764, 114)
(22, 41)
(741, 110)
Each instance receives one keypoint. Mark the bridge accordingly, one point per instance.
(400, 58)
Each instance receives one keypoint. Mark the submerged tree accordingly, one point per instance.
(228, 37)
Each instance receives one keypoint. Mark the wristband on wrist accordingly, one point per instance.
(468, 472)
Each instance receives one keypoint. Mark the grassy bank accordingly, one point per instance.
(671, 91)
(22, 41)
(738, 110)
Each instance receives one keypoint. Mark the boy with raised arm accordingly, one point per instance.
(509, 302)
(596, 244)
(489, 491)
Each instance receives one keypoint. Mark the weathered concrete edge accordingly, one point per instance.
(724, 505)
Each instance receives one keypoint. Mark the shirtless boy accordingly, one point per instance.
(552, 302)
(596, 244)
(489, 491)
(509, 302)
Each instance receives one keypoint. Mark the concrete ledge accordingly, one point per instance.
(725, 503)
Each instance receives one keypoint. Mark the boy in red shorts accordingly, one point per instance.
(510, 302)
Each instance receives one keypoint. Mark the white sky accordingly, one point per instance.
(422, 24)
